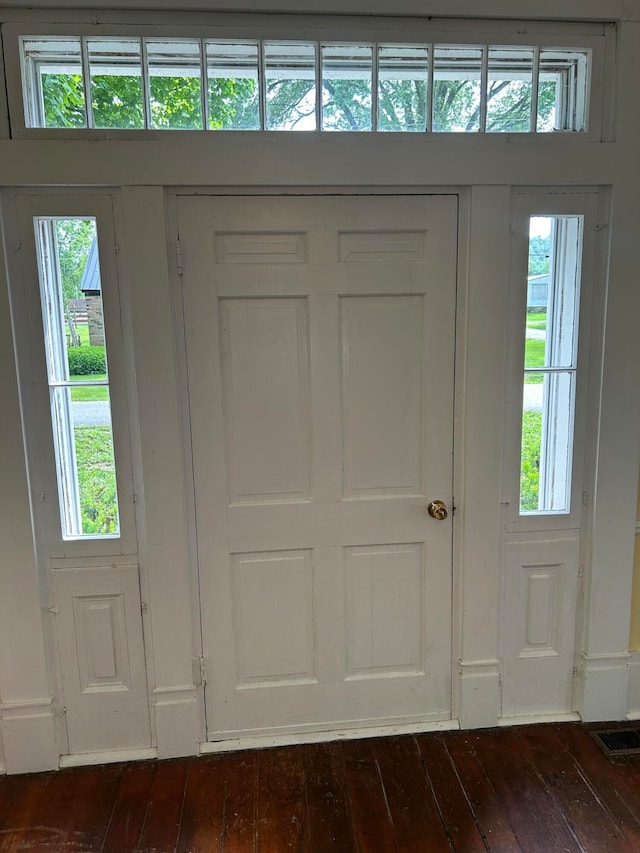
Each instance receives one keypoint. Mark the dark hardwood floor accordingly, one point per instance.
(536, 789)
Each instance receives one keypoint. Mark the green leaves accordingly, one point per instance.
(74, 238)
(175, 103)
(86, 361)
(63, 100)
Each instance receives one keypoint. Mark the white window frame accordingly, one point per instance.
(24, 207)
(598, 38)
(559, 203)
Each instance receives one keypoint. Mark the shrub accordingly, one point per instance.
(84, 361)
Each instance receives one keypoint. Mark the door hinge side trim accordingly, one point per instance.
(199, 671)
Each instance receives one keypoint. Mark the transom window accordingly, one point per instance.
(133, 83)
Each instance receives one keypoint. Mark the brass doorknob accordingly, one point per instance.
(438, 510)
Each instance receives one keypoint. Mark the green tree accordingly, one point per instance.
(539, 251)
(233, 103)
(175, 102)
(74, 237)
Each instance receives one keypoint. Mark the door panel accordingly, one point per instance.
(320, 341)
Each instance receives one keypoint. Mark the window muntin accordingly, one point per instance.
(550, 364)
(272, 85)
(77, 375)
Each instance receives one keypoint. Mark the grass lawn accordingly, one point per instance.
(86, 395)
(537, 321)
(534, 357)
(83, 333)
(96, 479)
(530, 461)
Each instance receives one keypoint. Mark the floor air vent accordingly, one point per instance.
(618, 741)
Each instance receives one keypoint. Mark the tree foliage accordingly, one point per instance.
(175, 103)
(539, 251)
(74, 238)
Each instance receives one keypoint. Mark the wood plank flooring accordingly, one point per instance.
(534, 789)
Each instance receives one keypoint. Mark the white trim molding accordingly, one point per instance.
(633, 703)
(28, 734)
(114, 756)
(293, 738)
(177, 721)
(536, 719)
(480, 690)
(602, 686)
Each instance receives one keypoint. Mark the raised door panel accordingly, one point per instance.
(539, 620)
(273, 615)
(382, 358)
(385, 614)
(265, 367)
(102, 657)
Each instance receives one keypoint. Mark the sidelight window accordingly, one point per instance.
(77, 375)
(550, 363)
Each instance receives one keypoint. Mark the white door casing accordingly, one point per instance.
(320, 343)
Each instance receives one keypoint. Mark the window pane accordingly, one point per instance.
(553, 289)
(54, 89)
(84, 454)
(233, 90)
(456, 89)
(402, 87)
(509, 88)
(290, 76)
(71, 298)
(175, 89)
(116, 82)
(562, 90)
(547, 442)
(538, 290)
(346, 87)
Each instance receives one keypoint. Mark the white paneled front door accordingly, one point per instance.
(320, 343)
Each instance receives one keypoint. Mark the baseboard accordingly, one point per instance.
(177, 722)
(28, 736)
(602, 688)
(293, 738)
(479, 699)
(536, 719)
(113, 757)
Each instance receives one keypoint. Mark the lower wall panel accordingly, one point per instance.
(102, 658)
(540, 591)
(28, 735)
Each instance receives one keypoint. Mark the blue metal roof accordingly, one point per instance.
(91, 276)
